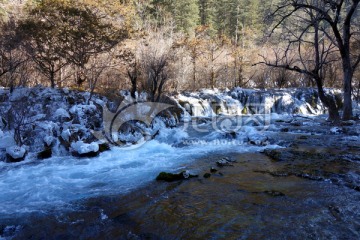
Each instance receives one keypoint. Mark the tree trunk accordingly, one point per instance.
(52, 79)
(347, 110)
(194, 73)
(329, 103)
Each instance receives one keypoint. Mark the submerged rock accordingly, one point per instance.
(171, 177)
(207, 175)
(274, 193)
(224, 162)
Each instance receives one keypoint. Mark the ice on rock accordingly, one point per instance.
(255, 137)
(49, 140)
(82, 108)
(82, 148)
(100, 102)
(16, 152)
(336, 130)
(66, 135)
(66, 90)
(6, 140)
(61, 113)
(207, 103)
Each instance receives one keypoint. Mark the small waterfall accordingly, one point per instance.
(238, 101)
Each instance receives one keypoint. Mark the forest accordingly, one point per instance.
(103, 46)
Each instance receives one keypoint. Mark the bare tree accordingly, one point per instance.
(21, 120)
(95, 69)
(11, 54)
(333, 20)
(154, 57)
(215, 50)
(43, 47)
(133, 74)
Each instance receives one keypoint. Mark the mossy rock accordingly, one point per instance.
(47, 153)
(171, 177)
(244, 111)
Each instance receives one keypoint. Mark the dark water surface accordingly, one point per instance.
(235, 203)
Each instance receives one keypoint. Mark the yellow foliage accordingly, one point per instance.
(119, 14)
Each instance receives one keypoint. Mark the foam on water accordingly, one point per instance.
(55, 183)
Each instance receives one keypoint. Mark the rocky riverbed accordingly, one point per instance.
(308, 189)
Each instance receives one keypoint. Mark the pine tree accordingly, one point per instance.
(186, 14)
(207, 10)
(222, 16)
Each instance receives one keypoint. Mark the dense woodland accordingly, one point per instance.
(167, 46)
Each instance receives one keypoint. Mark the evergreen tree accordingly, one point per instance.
(222, 16)
(207, 10)
(186, 14)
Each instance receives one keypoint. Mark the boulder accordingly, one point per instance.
(15, 153)
(81, 149)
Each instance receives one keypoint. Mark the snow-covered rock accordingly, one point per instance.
(66, 135)
(336, 130)
(62, 113)
(85, 149)
(16, 153)
(49, 140)
(254, 136)
(6, 140)
(225, 161)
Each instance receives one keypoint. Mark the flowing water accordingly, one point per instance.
(114, 196)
